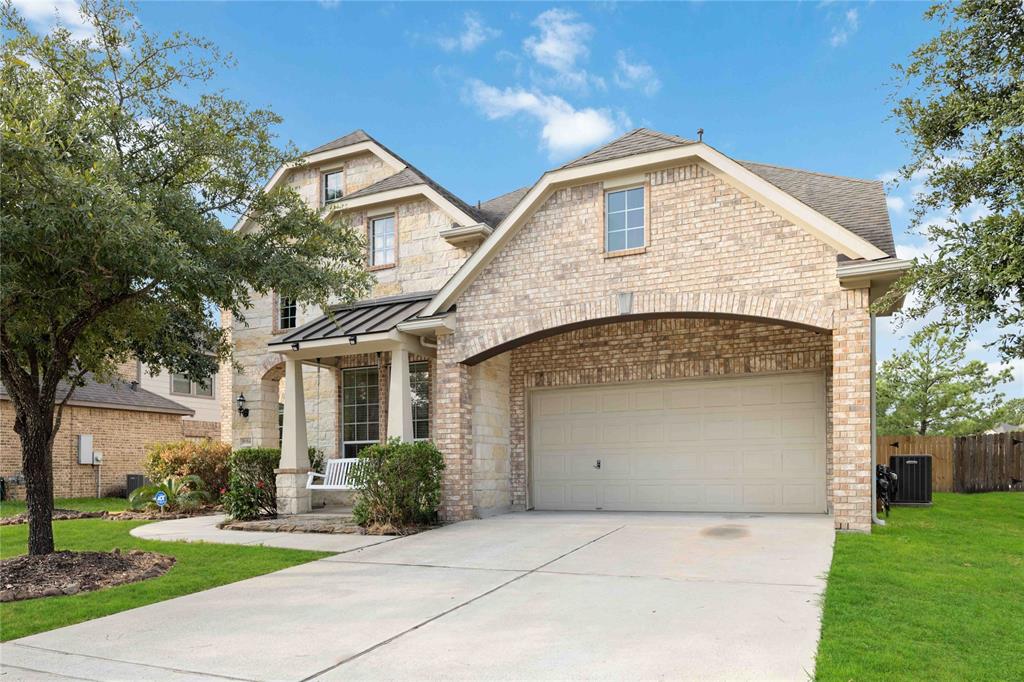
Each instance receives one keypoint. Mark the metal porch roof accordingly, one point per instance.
(365, 317)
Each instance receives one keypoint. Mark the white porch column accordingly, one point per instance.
(292, 495)
(400, 397)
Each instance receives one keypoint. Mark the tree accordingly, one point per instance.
(932, 388)
(115, 175)
(964, 120)
(1010, 412)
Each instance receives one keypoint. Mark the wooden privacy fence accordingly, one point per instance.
(964, 464)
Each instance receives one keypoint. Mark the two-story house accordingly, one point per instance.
(652, 326)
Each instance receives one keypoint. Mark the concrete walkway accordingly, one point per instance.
(204, 529)
(521, 596)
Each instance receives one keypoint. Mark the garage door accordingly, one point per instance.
(755, 444)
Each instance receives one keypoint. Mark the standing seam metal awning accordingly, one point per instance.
(367, 317)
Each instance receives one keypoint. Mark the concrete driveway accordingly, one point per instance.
(532, 595)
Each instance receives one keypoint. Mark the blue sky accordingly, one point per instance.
(486, 96)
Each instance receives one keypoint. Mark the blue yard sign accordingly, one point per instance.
(161, 499)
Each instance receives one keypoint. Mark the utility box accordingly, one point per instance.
(914, 485)
(85, 449)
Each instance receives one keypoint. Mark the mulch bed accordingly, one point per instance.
(51, 575)
(127, 515)
(314, 524)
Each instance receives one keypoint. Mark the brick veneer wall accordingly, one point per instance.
(121, 435)
(712, 251)
(649, 350)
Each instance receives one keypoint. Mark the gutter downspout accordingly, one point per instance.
(874, 435)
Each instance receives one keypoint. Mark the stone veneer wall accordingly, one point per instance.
(647, 350)
(121, 435)
(492, 435)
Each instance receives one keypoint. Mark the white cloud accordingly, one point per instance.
(564, 129)
(559, 46)
(896, 204)
(847, 26)
(43, 15)
(474, 34)
(639, 75)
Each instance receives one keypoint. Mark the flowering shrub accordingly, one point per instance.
(207, 460)
(251, 490)
(399, 484)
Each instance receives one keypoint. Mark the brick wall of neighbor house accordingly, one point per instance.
(196, 429)
(645, 350)
(121, 435)
(492, 436)
(711, 250)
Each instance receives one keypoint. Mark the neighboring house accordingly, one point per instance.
(1005, 428)
(120, 419)
(653, 326)
(202, 397)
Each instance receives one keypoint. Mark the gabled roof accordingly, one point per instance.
(494, 210)
(636, 141)
(858, 205)
(118, 395)
(355, 137)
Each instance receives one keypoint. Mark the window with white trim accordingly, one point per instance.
(182, 385)
(419, 384)
(382, 240)
(333, 186)
(360, 410)
(287, 312)
(624, 219)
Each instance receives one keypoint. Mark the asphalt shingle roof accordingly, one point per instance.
(118, 395)
(639, 141)
(857, 205)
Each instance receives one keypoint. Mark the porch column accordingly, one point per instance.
(292, 495)
(400, 397)
(851, 412)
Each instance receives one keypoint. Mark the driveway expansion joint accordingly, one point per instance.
(183, 671)
(444, 613)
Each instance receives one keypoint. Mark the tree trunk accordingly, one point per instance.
(36, 434)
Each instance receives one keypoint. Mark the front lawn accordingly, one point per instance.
(199, 567)
(85, 504)
(938, 594)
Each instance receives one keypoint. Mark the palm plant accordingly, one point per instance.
(183, 492)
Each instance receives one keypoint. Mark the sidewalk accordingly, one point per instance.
(204, 529)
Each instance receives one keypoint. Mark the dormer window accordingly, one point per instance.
(624, 220)
(332, 186)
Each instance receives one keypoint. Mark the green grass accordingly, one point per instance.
(199, 567)
(938, 594)
(88, 504)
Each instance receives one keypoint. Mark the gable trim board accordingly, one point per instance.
(813, 222)
(391, 196)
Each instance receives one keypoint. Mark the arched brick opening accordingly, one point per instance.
(526, 329)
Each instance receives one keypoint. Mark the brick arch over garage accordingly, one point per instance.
(531, 327)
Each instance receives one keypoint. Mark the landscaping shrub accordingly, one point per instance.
(183, 493)
(251, 487)
(207, 459)
(398, 484)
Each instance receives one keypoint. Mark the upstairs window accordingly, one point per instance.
(382, 240)
(332, 186)
(286, 312)
(624, 219)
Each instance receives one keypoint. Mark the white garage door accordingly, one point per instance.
(755, 444)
